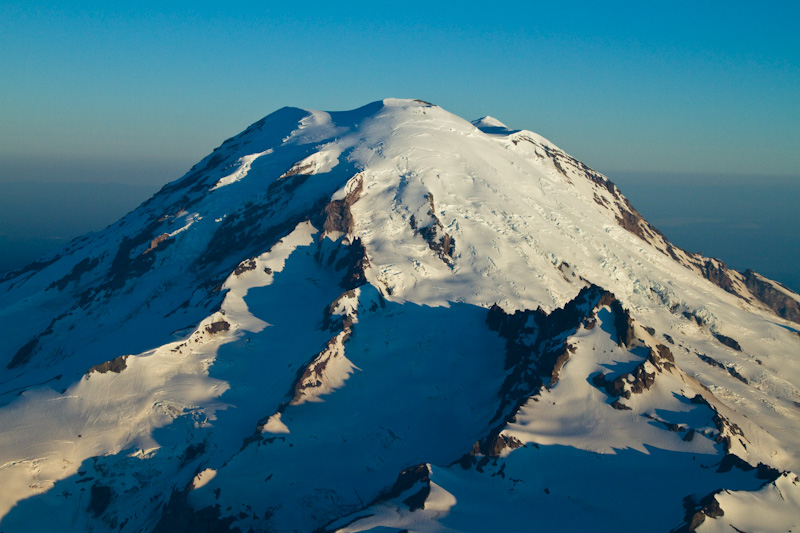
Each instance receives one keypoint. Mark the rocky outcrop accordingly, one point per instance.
(537, 348)
(748, 285)
(726, 430)
(178, 515)
(337, 216)
(730, 369)
(99, 499)
(23, 354)
(697, 512)
(414, 484)
(773, 295)
(218, 327)
(623, 323)
(494, 445)
(245, 266)
(116, 365)
(729, 342)
(639, 379)
(83, 266)
(439, 241)
(326, 371)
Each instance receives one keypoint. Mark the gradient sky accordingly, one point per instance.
(139, 91)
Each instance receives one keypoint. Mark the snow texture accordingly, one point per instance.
(392, 317)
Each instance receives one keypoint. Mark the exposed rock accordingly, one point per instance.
(36, 266)
(763, 471)
(408, 479)
(616, 404)
(117, 365)
(312, 375)
(770, 294)
(245, 266)
(536, 349)
(155, 242)
(727, 430)
(355, 263)
(218, 327)
(192, 452)
(493, 445)
(179, 517)
(709, 360)
(255, 227)
(729, 342)
(83, 266)
(329, 320)
(639, 379)
(730, 369)
(434, 234)
(693, 316)
(337, 213)
(623, 323)
(24, 354)
(663, 357)
(297, 168)
(99, 499)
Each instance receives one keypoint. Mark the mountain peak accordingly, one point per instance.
(391, 316)
(489, 123)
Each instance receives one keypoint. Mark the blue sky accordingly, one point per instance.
(138, 92)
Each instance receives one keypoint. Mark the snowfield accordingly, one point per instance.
(392, 317)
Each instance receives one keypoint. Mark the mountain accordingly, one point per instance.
(394, 318)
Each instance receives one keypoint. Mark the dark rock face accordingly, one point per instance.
(355, 263)
(537, 350)
(245, 266)
(763, 471)
(623, 323)
(99, 500)
(439, 241)
(116, 365)
(337, 213)
(406, 480)
(638, 380)
(697, 512)
(329, 320)
(714, 270)
(727, 429)
(493, 446)
(731, 370)
(729, 342)
(218, 327)
(766, 291)
(178, 516)
(24, 354)
(83, 266)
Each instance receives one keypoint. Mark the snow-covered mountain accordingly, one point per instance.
(393, 317)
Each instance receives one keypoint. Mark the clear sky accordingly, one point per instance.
(140, 91)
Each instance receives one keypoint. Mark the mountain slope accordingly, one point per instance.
(366, 318)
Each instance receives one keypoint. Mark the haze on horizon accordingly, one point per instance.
(134, 95)
(120, 89)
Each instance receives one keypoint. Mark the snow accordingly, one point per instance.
(274, 425)
(773, 508)
(245, 162)
(203, 478)
(251, 369)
